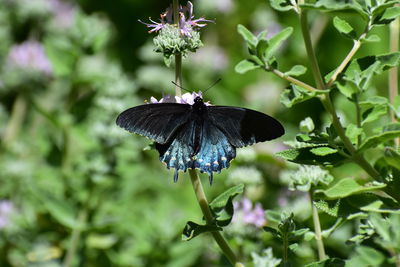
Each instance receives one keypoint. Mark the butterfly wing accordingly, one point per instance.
(215, 152)
(243, 126)
(178, 152)
(155, 121)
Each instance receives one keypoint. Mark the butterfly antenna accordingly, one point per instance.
(214, 83)
(180, 87)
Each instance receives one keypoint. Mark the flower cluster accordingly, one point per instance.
(29, 55)
(186, 20)
(247, 215)
(187, 98)
(177, 39)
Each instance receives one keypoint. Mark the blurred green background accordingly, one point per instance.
(76, 190)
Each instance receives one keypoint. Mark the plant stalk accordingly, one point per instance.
(178, 57)
(394, 72)
(327, 103)
(358, 118)
(203, 203)
(16, 119)
(317, 229)
(291, 79)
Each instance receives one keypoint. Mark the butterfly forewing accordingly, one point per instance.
(158, 122)
(244, 127)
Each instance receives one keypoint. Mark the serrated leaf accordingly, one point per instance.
(296, 94)
(373, 38)
(193, 229)
(365, 256)
(296, 70)
(303, 155)
(281, 5)
(222, 206)
(353, 132)
(245, 66)
(331, 262)
(276, 41)
(247, 35)
(390, 132)
(329, 207)
(344, 28)
(348, 186)
(323, 150)
(334, 6)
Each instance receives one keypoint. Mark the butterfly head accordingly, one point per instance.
(198, 99)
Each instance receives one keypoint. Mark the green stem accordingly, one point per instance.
(358, 117)
(16, 119)
(309, 48)
(291, 79)
(393, 72)
(326, 101)
(75, 237)
(203, 203)
(178, 57)
(317, 229)
(285, 250)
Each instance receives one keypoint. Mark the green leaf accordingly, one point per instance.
(373, 114)
(247, 35)
(62, 55)
(392, 157)
(348, 88)
(344, 28)
(245, 66)
(323, 150)
(296, 70)
(307, 125)
(348, 186)
(261, 48)
(296, 94)
(305, 156)
(353, 132)
(329, 207)
(101, 241)
(193, 229)
(335, 6)
(222, 206)
(331, 262)
(365, 256)
(388, 16)
(281, 5)
(276, 41)
(389, 133)
(373, 38)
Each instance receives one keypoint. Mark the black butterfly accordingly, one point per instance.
(199, 136)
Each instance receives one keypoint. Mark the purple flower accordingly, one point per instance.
(187, 98)
(187, 22)
(63, 11)
(246, 214)
(6, 210)
(29, 55)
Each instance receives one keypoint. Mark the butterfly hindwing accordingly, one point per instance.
(244, 127)
(215, 151)
(155, 121)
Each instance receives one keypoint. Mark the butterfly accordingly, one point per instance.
(198, 135)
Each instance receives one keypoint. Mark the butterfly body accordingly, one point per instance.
(199, 136)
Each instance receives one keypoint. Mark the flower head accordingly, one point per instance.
(187, 22)
(29, 55)
(187, 98)
(246, 214)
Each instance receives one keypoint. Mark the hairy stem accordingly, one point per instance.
(203, 203)
(393, 72)
(16, 119)
(178, 57)
(317, 229)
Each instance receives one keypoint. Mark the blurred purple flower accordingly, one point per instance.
(6, 210)
(29, 55)
(186, 20)
(63, 11)
(246, 214)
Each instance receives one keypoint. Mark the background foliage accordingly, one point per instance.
(78, 191)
